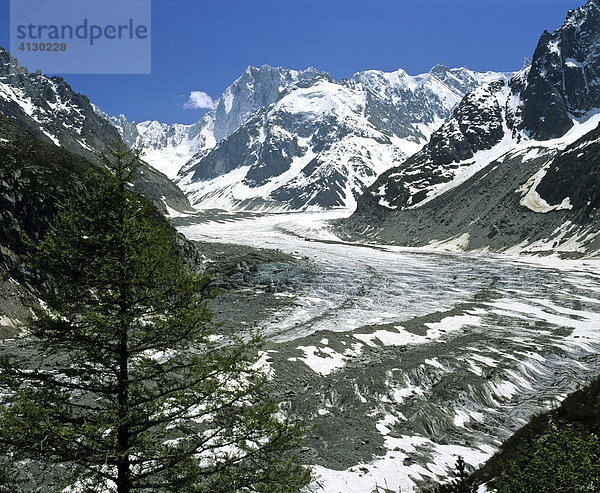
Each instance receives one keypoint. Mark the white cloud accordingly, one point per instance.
(199, 100)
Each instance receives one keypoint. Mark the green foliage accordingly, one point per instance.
(6, 476)
(559, 460)
(123, 383)
(578, 415)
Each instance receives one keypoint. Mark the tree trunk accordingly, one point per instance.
(123, 465)
(123, 479)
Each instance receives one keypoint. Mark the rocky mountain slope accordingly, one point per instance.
(52, 112)
(490, 177)
(34, 177)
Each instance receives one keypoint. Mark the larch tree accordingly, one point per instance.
(122, 383)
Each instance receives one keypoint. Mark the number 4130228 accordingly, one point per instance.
(43, 47)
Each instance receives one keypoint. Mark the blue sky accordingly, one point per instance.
(204, 45)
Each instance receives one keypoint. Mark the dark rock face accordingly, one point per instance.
(575, 175)
(244, 148)
(545, 113)
(34, 177)
(475, 125)
(271, 162)
(564, 75)
(324, 188)
(229, 154)
(52, 112)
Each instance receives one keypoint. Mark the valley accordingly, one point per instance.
(419, 252)
(404, 359)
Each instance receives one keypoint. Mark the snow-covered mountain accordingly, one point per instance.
(287, 139)
(482, 126)
(166, 147)
(316, 142)
(524, 125)
(169, 147)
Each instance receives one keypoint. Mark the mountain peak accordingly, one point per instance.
(564, 79)
(282, 72)
(439, 67)
(9, 64)
(578, 16)
(251, 69)
(255, 88)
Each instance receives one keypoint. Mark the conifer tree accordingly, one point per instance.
(122, 383)
(461, 483)
(560, 460)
